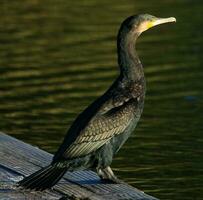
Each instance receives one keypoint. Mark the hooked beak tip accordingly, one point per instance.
(173, 19)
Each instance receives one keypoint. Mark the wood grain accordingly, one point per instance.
(18, 159)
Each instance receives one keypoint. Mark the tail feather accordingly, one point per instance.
(44, 178)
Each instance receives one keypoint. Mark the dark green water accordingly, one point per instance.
(58, 56)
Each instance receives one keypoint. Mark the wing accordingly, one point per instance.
(112, 119)
(100, 130)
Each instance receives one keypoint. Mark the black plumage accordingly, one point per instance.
(102, 128)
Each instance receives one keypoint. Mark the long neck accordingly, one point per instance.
(128, 60)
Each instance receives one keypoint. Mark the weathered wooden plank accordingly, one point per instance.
(18, 159)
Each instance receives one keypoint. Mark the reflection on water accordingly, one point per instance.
(58, 56)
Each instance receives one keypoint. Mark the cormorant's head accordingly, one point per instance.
(142, 22)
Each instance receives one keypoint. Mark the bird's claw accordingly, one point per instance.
(107, 175)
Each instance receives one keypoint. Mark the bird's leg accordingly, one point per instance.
(107, 174)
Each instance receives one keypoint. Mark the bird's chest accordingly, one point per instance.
(133, 92)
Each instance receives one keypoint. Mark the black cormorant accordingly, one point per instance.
(102, 128)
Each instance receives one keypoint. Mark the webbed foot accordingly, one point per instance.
(107, 175)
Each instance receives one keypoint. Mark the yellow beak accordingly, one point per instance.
(163, 21)
(149, 24)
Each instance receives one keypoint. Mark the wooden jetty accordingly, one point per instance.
(18, 159)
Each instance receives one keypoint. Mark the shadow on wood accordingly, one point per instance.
(18, 159)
